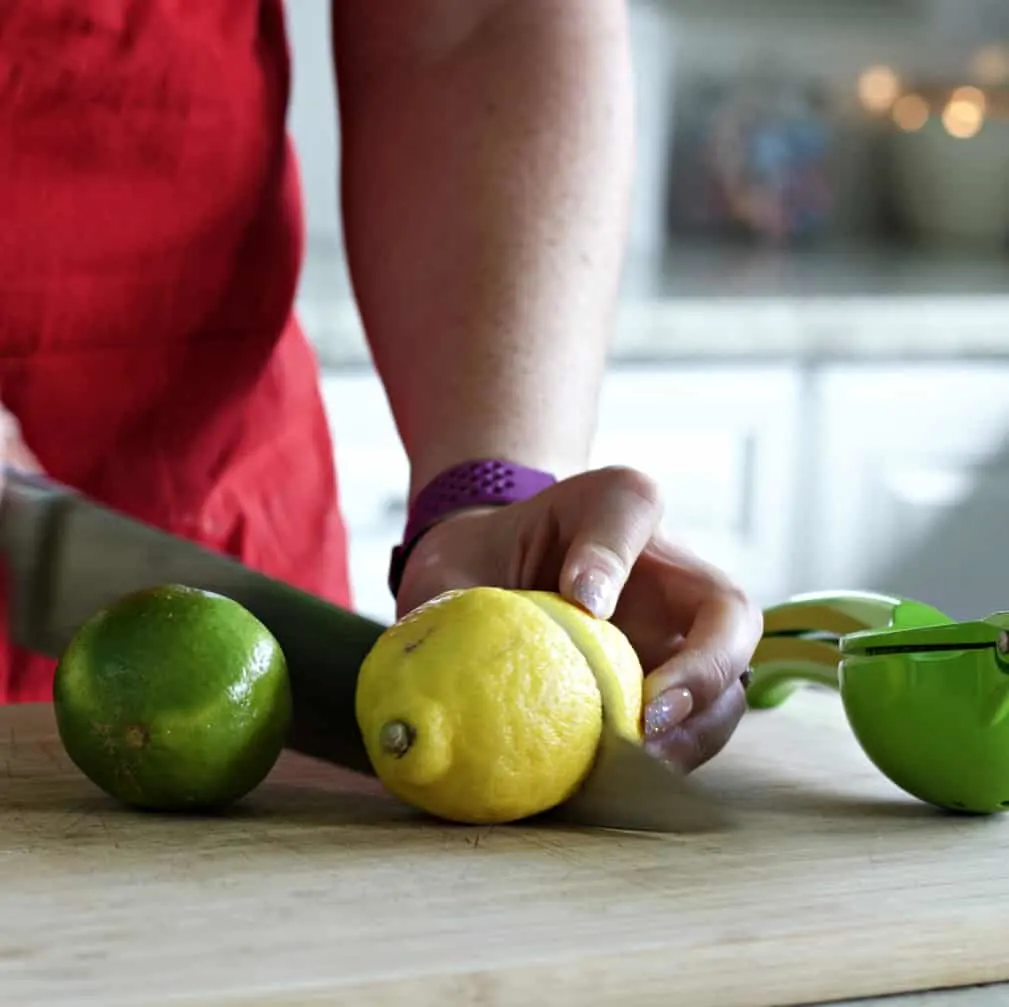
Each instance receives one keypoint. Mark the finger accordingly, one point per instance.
(704, 735)
(715, 653)
(618, 516)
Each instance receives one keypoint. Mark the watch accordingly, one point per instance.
(488, 482)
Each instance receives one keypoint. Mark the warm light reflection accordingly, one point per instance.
(971, 95)
(962, 119)
(878, 88)
(910, 112)
(990, 64)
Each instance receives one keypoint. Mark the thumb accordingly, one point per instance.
(440, 560)
(422, 583)
(618, 512)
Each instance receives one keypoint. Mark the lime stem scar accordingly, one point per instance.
(136, 736)
(396, 737)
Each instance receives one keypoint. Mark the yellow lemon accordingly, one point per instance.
(610, 656)
(486, 705)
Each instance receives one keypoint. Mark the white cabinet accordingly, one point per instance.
(911, 492)
(719, 440)
(373, 473)
(891, 478)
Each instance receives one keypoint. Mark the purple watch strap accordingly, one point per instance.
(485, 483)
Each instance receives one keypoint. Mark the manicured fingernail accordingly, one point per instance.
(594, 590)
(668, 709)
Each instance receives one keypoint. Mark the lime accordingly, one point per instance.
(173, 699)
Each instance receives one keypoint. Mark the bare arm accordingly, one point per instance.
(487, 151)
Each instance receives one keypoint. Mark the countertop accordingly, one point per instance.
(829, 884)
(763, 305)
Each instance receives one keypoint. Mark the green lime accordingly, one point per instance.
(173, 699)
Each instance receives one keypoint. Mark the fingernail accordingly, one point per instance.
(594, 590)
(667, 710)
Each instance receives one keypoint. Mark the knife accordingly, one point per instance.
(67, 557)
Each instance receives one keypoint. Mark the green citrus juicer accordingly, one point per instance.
(926, 697)
(801, 638)
(930, 707)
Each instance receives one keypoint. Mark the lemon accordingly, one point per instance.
(173, 699)
(486, 705)
(609, 654)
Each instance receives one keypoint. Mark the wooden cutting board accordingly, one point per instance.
(319, 890)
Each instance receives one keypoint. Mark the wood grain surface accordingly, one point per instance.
(831, 884)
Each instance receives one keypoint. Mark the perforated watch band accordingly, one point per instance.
(485, 483)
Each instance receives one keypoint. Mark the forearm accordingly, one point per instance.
(486, 170)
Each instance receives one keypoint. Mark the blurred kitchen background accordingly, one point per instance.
(812, 349)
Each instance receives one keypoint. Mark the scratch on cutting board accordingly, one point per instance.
(77, 819)
(478, 836)
(47, 748)
(550, 845)
(108, 832)
(278, 841)
(568, 847)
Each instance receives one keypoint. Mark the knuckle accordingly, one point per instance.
(716, 730)
(733, 709)
(689, 751)
(696, 752)
(723, 673)
(637, 483)
(751, 611)
(738, 599)
(732, 591)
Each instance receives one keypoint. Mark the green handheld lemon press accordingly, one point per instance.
(926, 697)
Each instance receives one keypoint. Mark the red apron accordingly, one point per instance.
(150, 242)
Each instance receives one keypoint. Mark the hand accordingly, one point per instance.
(13, 450)
(594, 538)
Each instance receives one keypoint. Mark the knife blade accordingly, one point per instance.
(67, 557)
(630, 790)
